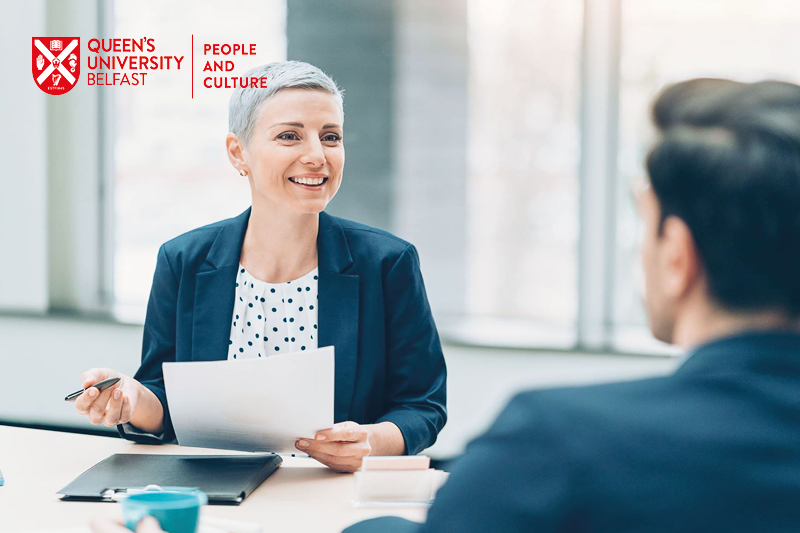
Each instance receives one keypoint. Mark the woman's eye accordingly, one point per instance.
(331, 137)
(289, 136)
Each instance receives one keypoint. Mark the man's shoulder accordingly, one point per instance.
(580, 421)
(590, 402)
(540, 456)
(602, 395)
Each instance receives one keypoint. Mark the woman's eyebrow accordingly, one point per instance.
(301, 125)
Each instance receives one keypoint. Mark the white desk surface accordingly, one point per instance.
(302, 495)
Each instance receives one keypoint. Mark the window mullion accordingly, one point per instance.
(599, 112)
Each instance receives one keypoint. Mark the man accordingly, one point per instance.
(716, 445)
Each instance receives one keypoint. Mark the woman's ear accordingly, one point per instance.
(235, 150)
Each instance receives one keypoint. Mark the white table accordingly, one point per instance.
(301, 495)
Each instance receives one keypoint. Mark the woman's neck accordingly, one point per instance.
(280, 245)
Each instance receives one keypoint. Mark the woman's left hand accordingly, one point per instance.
(341, 447)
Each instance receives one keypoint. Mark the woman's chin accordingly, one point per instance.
(292, 204)
(310, 207)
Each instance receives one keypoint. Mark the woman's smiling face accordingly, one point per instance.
(296, 152)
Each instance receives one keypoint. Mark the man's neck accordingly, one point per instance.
(705, 324)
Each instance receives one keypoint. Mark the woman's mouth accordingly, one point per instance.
(309, 183)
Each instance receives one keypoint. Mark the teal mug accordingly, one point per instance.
(177, 509)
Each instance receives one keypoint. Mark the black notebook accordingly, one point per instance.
(226, 479)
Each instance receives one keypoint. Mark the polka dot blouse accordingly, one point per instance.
(273, 318)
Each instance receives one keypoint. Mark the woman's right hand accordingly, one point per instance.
(110, 407)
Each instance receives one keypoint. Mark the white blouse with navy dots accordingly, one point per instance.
(273, 318)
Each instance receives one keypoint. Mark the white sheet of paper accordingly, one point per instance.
(253, 405)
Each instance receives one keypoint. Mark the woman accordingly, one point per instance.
(285, 276)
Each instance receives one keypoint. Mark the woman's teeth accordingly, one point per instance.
(308, 181)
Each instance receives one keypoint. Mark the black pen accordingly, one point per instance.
(100, 385)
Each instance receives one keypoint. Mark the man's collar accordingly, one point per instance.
(746, 351)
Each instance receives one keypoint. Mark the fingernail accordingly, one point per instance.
(303, 444)
(125, 399)
(321, 437)
(92, 392)
(116, 394)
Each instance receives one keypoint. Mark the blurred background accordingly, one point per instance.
(502, 137)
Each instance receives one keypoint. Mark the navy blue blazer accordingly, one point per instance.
(372, 308)
(713, 447)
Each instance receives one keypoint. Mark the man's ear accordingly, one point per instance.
(679, 257)
(235, 150)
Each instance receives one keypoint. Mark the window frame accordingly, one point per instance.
(594, 330)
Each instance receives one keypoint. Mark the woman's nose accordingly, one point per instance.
(313, 155)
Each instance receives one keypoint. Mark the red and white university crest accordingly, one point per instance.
(56, 63)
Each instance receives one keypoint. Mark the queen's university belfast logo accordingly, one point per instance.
(56, 63)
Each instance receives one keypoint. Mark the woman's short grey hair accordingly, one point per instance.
(245, 102)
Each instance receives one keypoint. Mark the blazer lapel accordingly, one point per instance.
(338, 310)
(338, 302)
(215, 291)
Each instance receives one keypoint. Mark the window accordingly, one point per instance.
(171, 173)
(528, 260)
(523, 157)
(665, 42)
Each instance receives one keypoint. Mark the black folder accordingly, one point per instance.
(226, 479)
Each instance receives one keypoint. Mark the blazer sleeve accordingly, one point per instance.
(158, 345)
(415, 397)
(515, 478)
(519, 476)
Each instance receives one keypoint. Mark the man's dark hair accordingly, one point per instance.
(728, 164)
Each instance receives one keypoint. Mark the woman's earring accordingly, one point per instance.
(242, 173)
